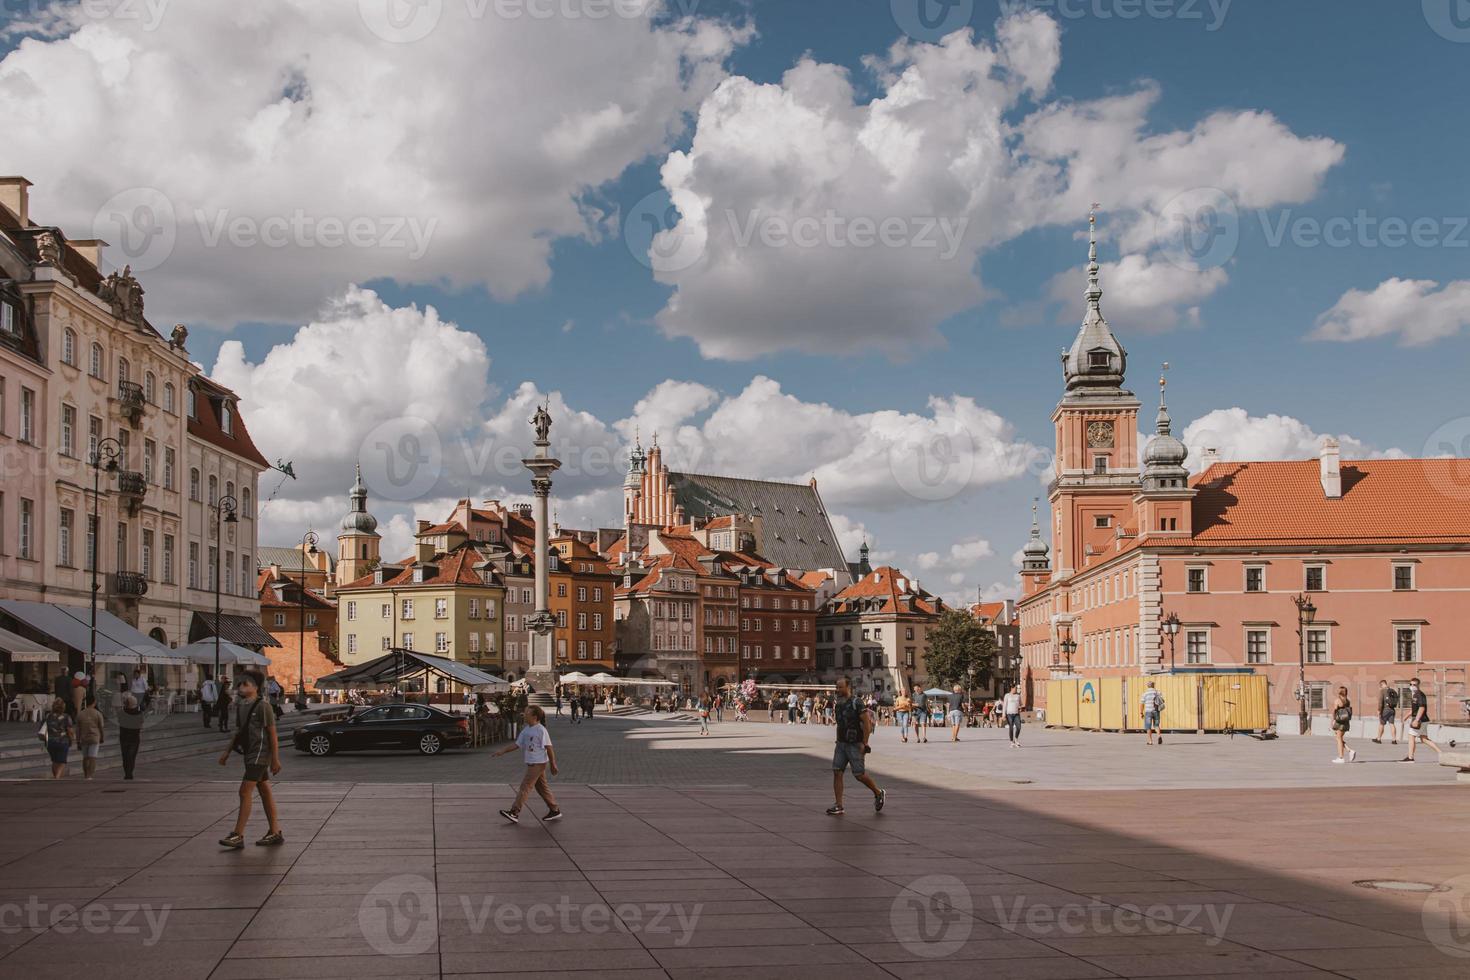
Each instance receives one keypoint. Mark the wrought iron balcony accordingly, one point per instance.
(129, 584)
(132, 488)
(131, 401)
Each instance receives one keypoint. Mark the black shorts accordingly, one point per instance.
(257, 772)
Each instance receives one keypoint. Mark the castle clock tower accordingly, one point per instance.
(1096, 473)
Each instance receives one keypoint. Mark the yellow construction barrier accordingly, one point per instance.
(1192, 702)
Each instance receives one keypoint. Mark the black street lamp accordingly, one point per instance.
(1069, 647)
(1169, 626)
(1306, 614)
(308, 547)
(224, 513)
(104, 457)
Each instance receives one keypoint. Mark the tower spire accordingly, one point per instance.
(1096, 361)
(1163, 423)
(1094, 283)
(1035, 557)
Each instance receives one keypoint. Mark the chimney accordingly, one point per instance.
(15, 194)
(1209, 458)
(89, 249)
(1331, 468)
(423, 526)
(423, 552)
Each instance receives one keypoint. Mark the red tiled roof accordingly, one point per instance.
(813, 580)
(456, 567)
(205, 423)
(451, 527)
(987, 610)
(1384, 501)
(882, 583)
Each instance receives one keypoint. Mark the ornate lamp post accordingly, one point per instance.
(224, 513)
(1169, 626)
(1306, 614)
(104, 457)
(308, 547)
(1069, 647)
(541, 465)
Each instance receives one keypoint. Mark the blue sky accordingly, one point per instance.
(1381, 83)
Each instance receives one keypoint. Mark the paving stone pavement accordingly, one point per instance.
(699, 859)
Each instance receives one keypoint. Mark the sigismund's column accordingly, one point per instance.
(542, 465)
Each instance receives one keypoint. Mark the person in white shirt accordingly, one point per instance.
(1013, 715)
(208, 695)
(1152, 703)
(139, 687)
(535, 741)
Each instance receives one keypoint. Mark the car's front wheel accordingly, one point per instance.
(430, 744)
(319, 745)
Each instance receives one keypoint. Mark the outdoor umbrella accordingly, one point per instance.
(603, 677)
(575, 677)
(937, 692)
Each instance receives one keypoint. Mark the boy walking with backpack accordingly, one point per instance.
(1152, 703)
(535, 741)
(854, 725)
(1388, 706)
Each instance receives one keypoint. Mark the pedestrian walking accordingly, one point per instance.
(854, 727)
(1388, 706)
(1342, 720)
(576, 709)
(1418, 721)
(255, 739)
(806, 710)
(558, 706)
(91, 730)
(791, 708)
(208, 695)
(138, 686)
(129, 733)
(221, 707)
(921, 715)
(1152, 703)
(704, 709)
(719, 707)
(1013, 714)
(58, 733)
(588, 702)
(903, 708)
(956, 712)
(535, 742)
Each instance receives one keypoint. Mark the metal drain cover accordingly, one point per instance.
(1390, 885)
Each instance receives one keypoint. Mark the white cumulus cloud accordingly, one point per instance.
(1237, 436)
(1417, 311)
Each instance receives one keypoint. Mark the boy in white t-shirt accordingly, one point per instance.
(535, 741)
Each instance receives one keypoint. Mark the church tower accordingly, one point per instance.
(1096, 473)
(358, 543)
(1164, 502)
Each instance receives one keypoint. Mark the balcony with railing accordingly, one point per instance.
(129, 584)
(130, 401)
(132, 488)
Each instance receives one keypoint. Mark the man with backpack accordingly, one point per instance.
(1418, 721)
(1152, 703)
(1388, 706)
(854, 726)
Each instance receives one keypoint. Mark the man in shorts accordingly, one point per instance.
(1152, 702)
(1388, 706)
(921, 715)
(1418, 721)
(956, 713)
(854, 726)
(255, 738)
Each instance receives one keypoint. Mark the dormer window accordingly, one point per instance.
(1099, 359)
(226, 419)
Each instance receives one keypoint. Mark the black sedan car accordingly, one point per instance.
(388, 726)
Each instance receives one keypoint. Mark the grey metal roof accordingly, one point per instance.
(290, 559)
(798, 533)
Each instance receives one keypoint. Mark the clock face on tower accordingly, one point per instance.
(1100, 435)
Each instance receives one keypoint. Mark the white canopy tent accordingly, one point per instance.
(202, 652)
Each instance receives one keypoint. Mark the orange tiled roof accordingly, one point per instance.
(987, 610)
(1385, 501)
(456, 567)
(882, 583)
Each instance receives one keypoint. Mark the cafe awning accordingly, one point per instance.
(70, 626)
(234, 629)
(387, 670)
(202, 652)
(22, 650)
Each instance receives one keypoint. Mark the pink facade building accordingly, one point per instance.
(1151, 569)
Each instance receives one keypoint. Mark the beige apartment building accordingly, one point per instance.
(85, 373)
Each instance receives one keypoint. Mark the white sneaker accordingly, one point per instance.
(1352, 755)
(1338, 761)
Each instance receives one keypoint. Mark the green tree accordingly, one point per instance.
(961, 651)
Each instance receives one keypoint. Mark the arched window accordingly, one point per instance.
(230, 489)
(149, 388)
(245, 501)
(193, 405)
(194, 484)
(94, 368)
(168, 396)
(69, 347)
(213, 490)
(122, 370)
